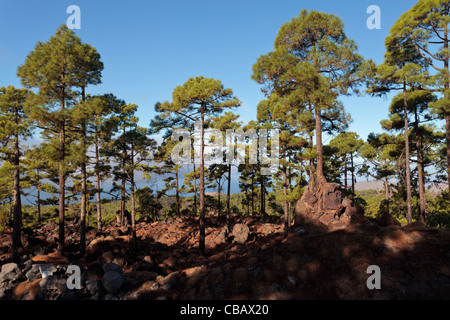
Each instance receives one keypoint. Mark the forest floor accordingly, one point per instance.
(310, 263)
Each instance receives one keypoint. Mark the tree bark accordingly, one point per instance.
(97, 186)
(177, 194)
(61, 176)
(252, 195)
(39, 198)
(218, 193)
(311, 161)
(447, 97)
(447, 137)
(345, 174)
(229, 194)
(407, 158)
(133, 201)
(195, 190)
(286, 207)
(353, 178)
(202, 184)
(386, 195)
(122, 202)
(319, 166)
(83, 183)
(17, 204)
(422, 199)
(263, 197)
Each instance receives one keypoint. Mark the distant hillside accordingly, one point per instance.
(379, 185)
(369, 185)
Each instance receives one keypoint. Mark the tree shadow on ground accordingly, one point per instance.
(414, 262)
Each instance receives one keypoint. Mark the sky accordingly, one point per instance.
(150, 47)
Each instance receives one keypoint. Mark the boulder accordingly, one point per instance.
(222, 237)
(241, 233)
(112, 281)
(10, 267)
(322, 206)
(52, 282)
(47, 269)
(112, 267)
(33, 273)
(10, 272)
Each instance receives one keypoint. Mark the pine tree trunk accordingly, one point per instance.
(133, 201)
(286, 207)
(97, 187)
(202, 184)
(446, 97)
(177, 194)
(218, 193)
(122, 202)
(386, 195)
(61, 176)
(83, 210)
(353, 178)
(311, 161)
(83, 184)
(263, 198)
(447, 137)
(195, 191)
(422, 199)
(248, 201)
(39, 201)
(345, 174)
(252, 195)
(407, 158)
(319, 167)
(229, 194)
(17, 205)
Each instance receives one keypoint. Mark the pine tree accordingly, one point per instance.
(58, 68)
(382, 152)
(402, 69)
(15, 125)
(139, 148)
(197, 99)
(277, 113)
(314, 61)
(228, 121)
(217, 176)
(165, 167)
(122, 121)
(425, 25)
(36, 172)
(346, 145)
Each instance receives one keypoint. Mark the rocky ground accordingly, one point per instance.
(251, 261)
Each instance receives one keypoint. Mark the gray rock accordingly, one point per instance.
(10, 267)
(112, 281)
(33, 273)
(10, 272)
(52, 282)
(47, 269)
(299, 229)
(10, 276)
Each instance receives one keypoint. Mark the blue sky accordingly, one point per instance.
(150, 47)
